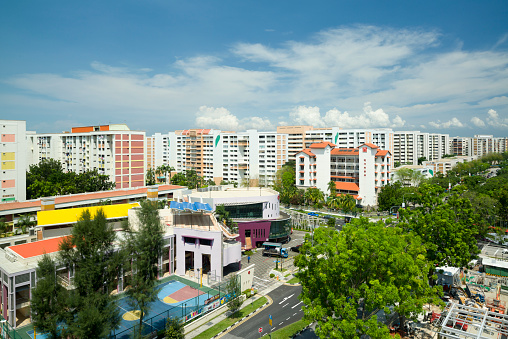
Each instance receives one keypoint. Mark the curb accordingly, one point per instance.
(218, 335)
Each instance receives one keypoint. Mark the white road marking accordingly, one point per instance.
(281, 323)
(286, 298)
(294, 314)
(285, 305)
(288, 318)
(297, 304)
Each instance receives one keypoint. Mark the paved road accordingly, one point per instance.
(285, 310)
(263, 266)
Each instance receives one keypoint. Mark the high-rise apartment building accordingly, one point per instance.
(13, 160)
(113, 150)
(301, 137)
(219, 155)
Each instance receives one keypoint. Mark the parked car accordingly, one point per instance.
(313, 214)
(327, 216)
(296, 248)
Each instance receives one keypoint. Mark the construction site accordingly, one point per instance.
(475, 303)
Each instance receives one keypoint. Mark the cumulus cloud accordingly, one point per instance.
(303, 115)
(477, 122)
(494, 120)
(454, 122)
(397, 69)
(222, 119)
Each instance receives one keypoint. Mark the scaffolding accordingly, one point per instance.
(461, 321)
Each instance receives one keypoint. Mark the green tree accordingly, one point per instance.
(23, 223)
(174, 329)
(233, 289)
(150, 177)
(421, 160)
(4, 227)
(332, 188)
(331, 222)
(48, 178)
(390, 195)
(144, 244)
(348, 277)
(48, 299)
(90, 252)
(447, 224)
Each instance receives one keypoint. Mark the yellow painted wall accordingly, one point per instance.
(8, 156)
(71, 215)
(8, 165)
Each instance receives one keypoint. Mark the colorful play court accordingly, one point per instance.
(177, 297)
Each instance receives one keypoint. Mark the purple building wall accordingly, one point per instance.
(259, 231)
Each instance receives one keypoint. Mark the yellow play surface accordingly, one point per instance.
(131, 315)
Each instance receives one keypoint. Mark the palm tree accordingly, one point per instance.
(333, 202)
(332, 188)
(169, 169)
(349, 202)
(23, 223)
(4, 227)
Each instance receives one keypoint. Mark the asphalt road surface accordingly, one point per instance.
(285, 310)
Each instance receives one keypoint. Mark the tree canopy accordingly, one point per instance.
(47, 178)
(348, 277)
(90, 253)
(144, 247)
(446, 223)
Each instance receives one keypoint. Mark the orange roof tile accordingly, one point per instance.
(344, 151)
(382, 153)
(370, 145)
(33, 249)
(308, 152)
(322, 144)
(346, 186)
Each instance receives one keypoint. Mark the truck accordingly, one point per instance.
(274, 249)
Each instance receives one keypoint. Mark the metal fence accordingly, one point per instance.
(156, 323)
(7, 331)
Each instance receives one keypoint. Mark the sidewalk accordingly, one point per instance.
(197, 327)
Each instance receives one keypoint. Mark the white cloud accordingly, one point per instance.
(219, 118)
(303, 115)
(494, 120)
(454, 122)
(396, 69)
(222, 119)
(477, 122)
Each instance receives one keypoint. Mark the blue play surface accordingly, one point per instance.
(157, 315)
(159, 310)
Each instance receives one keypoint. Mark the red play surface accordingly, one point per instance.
(33, 249)
(185, 293)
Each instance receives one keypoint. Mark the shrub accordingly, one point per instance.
(249, 252)
(272, 275)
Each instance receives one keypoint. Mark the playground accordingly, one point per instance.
(177, 298)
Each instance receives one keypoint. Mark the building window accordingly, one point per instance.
(205, 242)
(189, 240)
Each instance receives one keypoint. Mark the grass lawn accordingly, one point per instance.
(214, 330)
(290, 330)
(295, 280)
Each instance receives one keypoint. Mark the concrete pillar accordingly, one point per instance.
(47, 204)
(5, 302)
(152, 193)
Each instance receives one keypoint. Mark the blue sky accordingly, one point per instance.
(159, 66)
